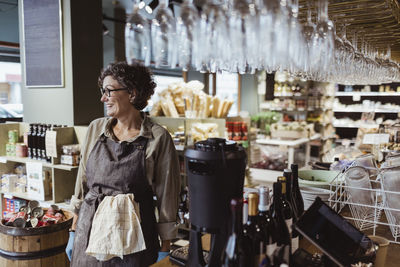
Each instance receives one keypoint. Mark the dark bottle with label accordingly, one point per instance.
(30, 142)
(268, 224)
(43, 142)
(34, 141)
(39, 141)
(280, 213)
(237, 252)
(296, 190)
(48, 128)
(290, 198)
(253, 231)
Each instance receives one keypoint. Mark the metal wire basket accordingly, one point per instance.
(366, 216)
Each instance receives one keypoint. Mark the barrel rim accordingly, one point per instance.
(14, 231)
(32, 255)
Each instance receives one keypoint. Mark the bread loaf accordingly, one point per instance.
(215, 107)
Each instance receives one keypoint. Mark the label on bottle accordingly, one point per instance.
(295, 244)
(289, 223)
(271, 249)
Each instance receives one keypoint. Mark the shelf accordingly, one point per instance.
(4, 159)
(360, 111)
(44, 204)
(291, 143)
(367, 93)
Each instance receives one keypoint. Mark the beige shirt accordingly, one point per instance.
(162, 169)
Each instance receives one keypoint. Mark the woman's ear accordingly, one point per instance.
(132, 96)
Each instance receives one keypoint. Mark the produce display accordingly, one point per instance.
(189, 100)
(263, 120)
(268, 157)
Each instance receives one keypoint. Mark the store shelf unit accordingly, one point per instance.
(385, 94)
(63, 176)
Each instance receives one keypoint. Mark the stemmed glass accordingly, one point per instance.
(187, 30)
(163, 36)
(137, 36)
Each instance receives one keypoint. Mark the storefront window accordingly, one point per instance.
(228, 88)
(10, 90)
(162, 83)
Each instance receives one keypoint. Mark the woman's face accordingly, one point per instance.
(117, 103)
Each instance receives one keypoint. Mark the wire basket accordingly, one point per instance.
(366, 216)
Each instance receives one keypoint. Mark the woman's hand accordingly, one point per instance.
(70, 244)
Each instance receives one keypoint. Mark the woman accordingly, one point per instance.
(126, 153)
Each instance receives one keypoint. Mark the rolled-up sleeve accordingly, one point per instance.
(166, 185)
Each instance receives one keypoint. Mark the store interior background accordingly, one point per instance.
(77, 103)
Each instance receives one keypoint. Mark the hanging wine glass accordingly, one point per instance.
(187, 24)
(137, 37)
(163, 36)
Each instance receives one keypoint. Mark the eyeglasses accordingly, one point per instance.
(108, 91)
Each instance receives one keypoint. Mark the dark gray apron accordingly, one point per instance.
(117, 168)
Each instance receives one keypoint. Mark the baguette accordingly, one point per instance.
(227, 108)
(207, 104)
(221, 108)
(215, 103)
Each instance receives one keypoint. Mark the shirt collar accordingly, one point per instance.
(145, 128)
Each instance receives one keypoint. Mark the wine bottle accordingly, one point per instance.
(30, 141)
(296, 190)
(267, 223)
(290, 198)
(237, 252)
(253, 231)
(283, 236)
(34, 141)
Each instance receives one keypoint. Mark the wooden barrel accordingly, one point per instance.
(35, 247)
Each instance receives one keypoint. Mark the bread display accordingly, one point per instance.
(189, 100)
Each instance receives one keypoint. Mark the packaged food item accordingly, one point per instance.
(21, 150)
(71, 149)
(72, 160)
(13, 136)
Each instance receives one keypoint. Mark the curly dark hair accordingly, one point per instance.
(135, 76)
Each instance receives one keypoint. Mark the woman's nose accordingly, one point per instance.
(104, 98)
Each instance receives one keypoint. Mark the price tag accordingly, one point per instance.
(51, 143)
(375, 139)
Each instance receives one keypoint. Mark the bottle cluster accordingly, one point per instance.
(37, 140)
(266, 238)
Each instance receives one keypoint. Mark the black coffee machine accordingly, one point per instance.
(215, 170)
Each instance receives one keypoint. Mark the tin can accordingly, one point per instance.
(33, 204)
(21, 150)
(13, 136)
(19, 222)
(37, 212)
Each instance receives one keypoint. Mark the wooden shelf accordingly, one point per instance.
(44, 204)
(367, 93)
(360, 110)
(5, 159)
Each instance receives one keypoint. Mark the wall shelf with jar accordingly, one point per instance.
(50, 182)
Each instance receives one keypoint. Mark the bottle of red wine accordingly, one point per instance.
(280, 212)
(296, 190)
(253, 231)
(237, 252)
(267, 223)
(290, 198)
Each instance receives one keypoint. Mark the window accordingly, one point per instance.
(162, 83)
(228, 88)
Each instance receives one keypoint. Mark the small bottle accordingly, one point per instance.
(34, 141)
